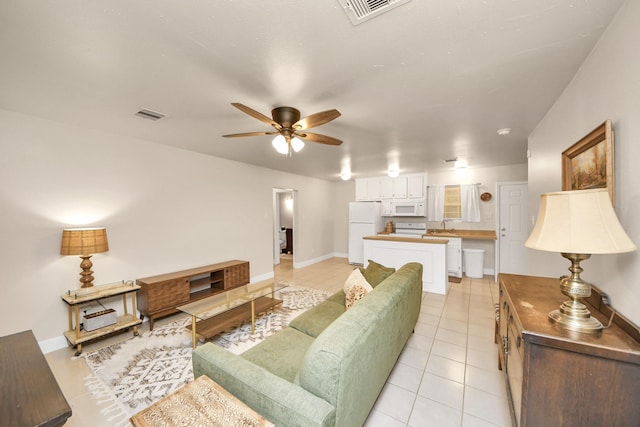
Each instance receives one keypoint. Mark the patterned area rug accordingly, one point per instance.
(131, 375)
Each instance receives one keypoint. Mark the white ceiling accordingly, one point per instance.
(427, 81)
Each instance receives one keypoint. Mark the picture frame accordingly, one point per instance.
(589, 162)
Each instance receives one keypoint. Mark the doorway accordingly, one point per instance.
(284, 208)
(512, 227)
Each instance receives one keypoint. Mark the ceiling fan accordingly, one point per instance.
(290, 128)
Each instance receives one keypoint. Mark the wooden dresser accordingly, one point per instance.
(557, 377)
(29, 393)
(160, 295)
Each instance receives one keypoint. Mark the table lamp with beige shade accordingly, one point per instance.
(578, 224)
(84, 242)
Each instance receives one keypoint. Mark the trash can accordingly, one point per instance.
(473, 262)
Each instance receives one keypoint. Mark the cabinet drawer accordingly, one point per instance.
(236, 275)
(168, 294)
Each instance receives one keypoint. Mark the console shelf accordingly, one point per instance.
(75, 299)
(160, 295)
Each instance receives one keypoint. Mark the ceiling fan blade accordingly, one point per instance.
(256, 115)
(322, 139)
(316, 119)
(238, 135)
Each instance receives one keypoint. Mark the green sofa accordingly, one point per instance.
(329, 365)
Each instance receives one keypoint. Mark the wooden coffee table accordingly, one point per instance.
(210, 316)
(202, 402)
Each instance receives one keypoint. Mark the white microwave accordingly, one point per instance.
(407, 209)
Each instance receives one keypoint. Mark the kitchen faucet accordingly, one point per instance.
(444, 225)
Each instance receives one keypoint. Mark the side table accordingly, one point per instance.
(78, 297)
(202, 402)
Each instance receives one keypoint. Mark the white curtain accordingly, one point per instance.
(435, 203)
(470, 200)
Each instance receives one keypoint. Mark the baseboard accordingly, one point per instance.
(53, 344)
(262, 277)
(312, 261)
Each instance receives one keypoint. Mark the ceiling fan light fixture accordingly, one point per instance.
(297, 144)
(280, 144)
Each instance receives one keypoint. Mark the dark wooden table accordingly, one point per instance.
(29, 393)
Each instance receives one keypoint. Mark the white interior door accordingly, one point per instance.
(512, 228)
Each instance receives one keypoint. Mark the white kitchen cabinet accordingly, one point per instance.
(387, 207)
(402, 188)
(454, 255)
(394, 188)
(368, 189)
(415, 187)
(362, 192)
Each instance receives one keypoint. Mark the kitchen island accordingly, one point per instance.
(397, 251)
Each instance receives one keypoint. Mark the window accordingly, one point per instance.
(452, 202)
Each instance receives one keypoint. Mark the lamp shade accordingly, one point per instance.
(580, 222)
(297, 144)
(84, 241)
(280, 144)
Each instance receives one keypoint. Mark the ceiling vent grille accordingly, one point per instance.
(149, 114)
(360, 11)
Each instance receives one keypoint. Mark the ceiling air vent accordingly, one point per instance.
(360, 11)
(148, 114)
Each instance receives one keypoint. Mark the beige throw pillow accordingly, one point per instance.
(355, 287)
(355, 293)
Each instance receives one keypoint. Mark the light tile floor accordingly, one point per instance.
(446, 375)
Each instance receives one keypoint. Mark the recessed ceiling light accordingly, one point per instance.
(504, 131)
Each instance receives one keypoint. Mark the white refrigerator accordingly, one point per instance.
(365, 219)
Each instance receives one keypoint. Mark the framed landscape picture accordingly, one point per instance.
(589, 162)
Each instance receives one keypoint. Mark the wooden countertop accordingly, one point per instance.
(466, 234)
(407, 239)
(463, 234)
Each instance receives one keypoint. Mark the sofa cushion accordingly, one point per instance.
(315, 320)
(337, 298)
(376, 273)
(282, 354)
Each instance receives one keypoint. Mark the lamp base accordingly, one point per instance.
(575, 316)
(86, 275)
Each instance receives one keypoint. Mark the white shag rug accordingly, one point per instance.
(131, 375)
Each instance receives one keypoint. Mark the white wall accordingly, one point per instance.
(343, 193)
(165, 209)
(285, 201)
(606, 87)
(489, 178)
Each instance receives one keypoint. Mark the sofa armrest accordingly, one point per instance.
(278, 400)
